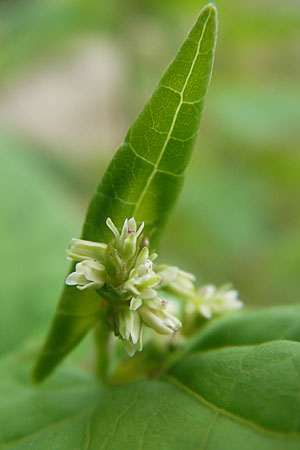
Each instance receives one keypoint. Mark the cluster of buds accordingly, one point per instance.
(211, 301)
(126, 270)
(126, 265)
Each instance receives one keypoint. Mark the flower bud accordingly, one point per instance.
(126, 243)
(80, 250)
(88, 274)
(155, 302)
(177, 281)
(159, 320)
(130, 330)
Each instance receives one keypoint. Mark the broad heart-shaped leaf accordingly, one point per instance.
(145, 176)
(247, 328)
(227, 399)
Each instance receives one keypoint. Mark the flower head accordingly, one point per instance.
(128, 268)
(124, 274)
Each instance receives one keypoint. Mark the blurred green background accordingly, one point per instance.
(75, 73)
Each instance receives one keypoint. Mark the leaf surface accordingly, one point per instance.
(227, 399)
(145, 176)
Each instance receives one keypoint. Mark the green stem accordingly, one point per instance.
(102, 339)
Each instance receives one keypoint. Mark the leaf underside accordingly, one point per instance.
(144, 178)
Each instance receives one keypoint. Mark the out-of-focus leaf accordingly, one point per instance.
(228, 399)
(37, 217)
(248, 328)
(146, 174)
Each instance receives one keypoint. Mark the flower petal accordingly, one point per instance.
(135, 303)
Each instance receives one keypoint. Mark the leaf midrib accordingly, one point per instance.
(175, 382)
(181, 93)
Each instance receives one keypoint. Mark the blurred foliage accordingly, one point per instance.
(238, 218)
(37, 220)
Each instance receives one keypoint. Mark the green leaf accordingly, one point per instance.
(247, 328)
(228, 399)
(252, 391)
(146, 174)
(77, 312)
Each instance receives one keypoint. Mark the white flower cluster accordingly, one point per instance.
(127, 266)
(211, 301)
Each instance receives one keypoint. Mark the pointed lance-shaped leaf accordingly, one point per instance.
(145, 176)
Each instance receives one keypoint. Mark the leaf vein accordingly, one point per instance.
(114, 198)
(88, 428)
(137, 154)
(59, 422)
(169, 173)
(209, 431)
(143, 193)
(151, 417)
(117, 421)
(224, 412)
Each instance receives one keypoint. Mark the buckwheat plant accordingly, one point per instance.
(175, 365)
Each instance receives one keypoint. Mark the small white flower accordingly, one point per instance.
(212, 301)
(126, 242)
(159, 320)
(88, 274)
(130, 328)
(80, 250)
(177, 281)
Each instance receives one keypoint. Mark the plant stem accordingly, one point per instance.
(102, 339)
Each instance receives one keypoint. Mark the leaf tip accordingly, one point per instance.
(212, 9)
(212, 6)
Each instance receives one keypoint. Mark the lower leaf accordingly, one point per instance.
(228, 399)
(248, 328)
